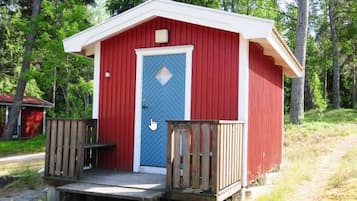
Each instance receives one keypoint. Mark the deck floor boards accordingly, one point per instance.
(122, 185)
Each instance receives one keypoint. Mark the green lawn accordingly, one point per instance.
(305, 144)
(32, 145)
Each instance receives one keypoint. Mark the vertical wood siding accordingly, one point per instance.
(2, 119)
(214, 80)
(265, 113)
(31, 121)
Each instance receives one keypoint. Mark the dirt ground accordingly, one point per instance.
(311, 191)
(38, 194)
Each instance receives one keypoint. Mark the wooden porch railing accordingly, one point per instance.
(65, 153)
(204, 156)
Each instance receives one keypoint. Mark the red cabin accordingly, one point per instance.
(165, 60)
(31, 118)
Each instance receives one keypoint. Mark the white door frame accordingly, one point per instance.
(140, 53)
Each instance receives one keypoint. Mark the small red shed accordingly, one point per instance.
(167, 60)
(31, 118)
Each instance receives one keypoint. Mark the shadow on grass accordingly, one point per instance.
(332, 116)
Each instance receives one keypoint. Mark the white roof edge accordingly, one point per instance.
(262, 31)
(276, 47)
(173, 10)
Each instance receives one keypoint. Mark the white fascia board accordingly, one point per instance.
(283, 52)
(249, 27)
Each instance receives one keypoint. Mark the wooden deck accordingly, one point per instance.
(204, 162)
(119, 185)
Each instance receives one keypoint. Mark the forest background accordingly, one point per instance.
(67, 80)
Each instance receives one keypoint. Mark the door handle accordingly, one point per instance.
(143, 104)
(153, 125)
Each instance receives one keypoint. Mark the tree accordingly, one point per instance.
(65, 78)
(336, 67)
(16, 106)
(297, 86)
(118, 6)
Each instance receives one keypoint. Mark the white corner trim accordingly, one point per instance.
(7, 115)
(140, 53)
(96, 79)
(44, 122)
(153, 170)
(18, 126)
(243, 101)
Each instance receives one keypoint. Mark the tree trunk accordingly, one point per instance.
(325, 82)
(309, 100)
(353, 86)
(16, 106)
(297, 87)
(336, 67)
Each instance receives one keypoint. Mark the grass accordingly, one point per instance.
(11, 168)
(305, 144)
(13, 147)
(343, 184)
(27, 179)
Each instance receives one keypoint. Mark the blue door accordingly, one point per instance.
(163, 99)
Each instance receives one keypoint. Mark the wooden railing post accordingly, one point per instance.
(170, 157)
(215, 158)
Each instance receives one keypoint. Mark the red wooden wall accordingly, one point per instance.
(2, 119)
(31, 121)
(214, 80)
(265, 113)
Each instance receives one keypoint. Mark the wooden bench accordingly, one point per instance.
(99, 145)
(95, 147)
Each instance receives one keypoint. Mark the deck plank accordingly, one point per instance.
(125, 179)
(177, 159)
(111, 191)
(196, 132)
(186, 159)
(67, 128)
(205, 157)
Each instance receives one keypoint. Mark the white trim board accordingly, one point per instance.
(243, 102)
(96, 78)
(140, 53)
(254, 28)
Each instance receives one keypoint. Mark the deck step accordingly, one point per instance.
(112, 191)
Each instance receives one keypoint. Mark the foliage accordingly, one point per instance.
(35, 144)
(320, 102)
(61, 72)
(118, 6)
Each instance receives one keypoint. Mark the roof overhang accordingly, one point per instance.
(28, 105)
(255, 29)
